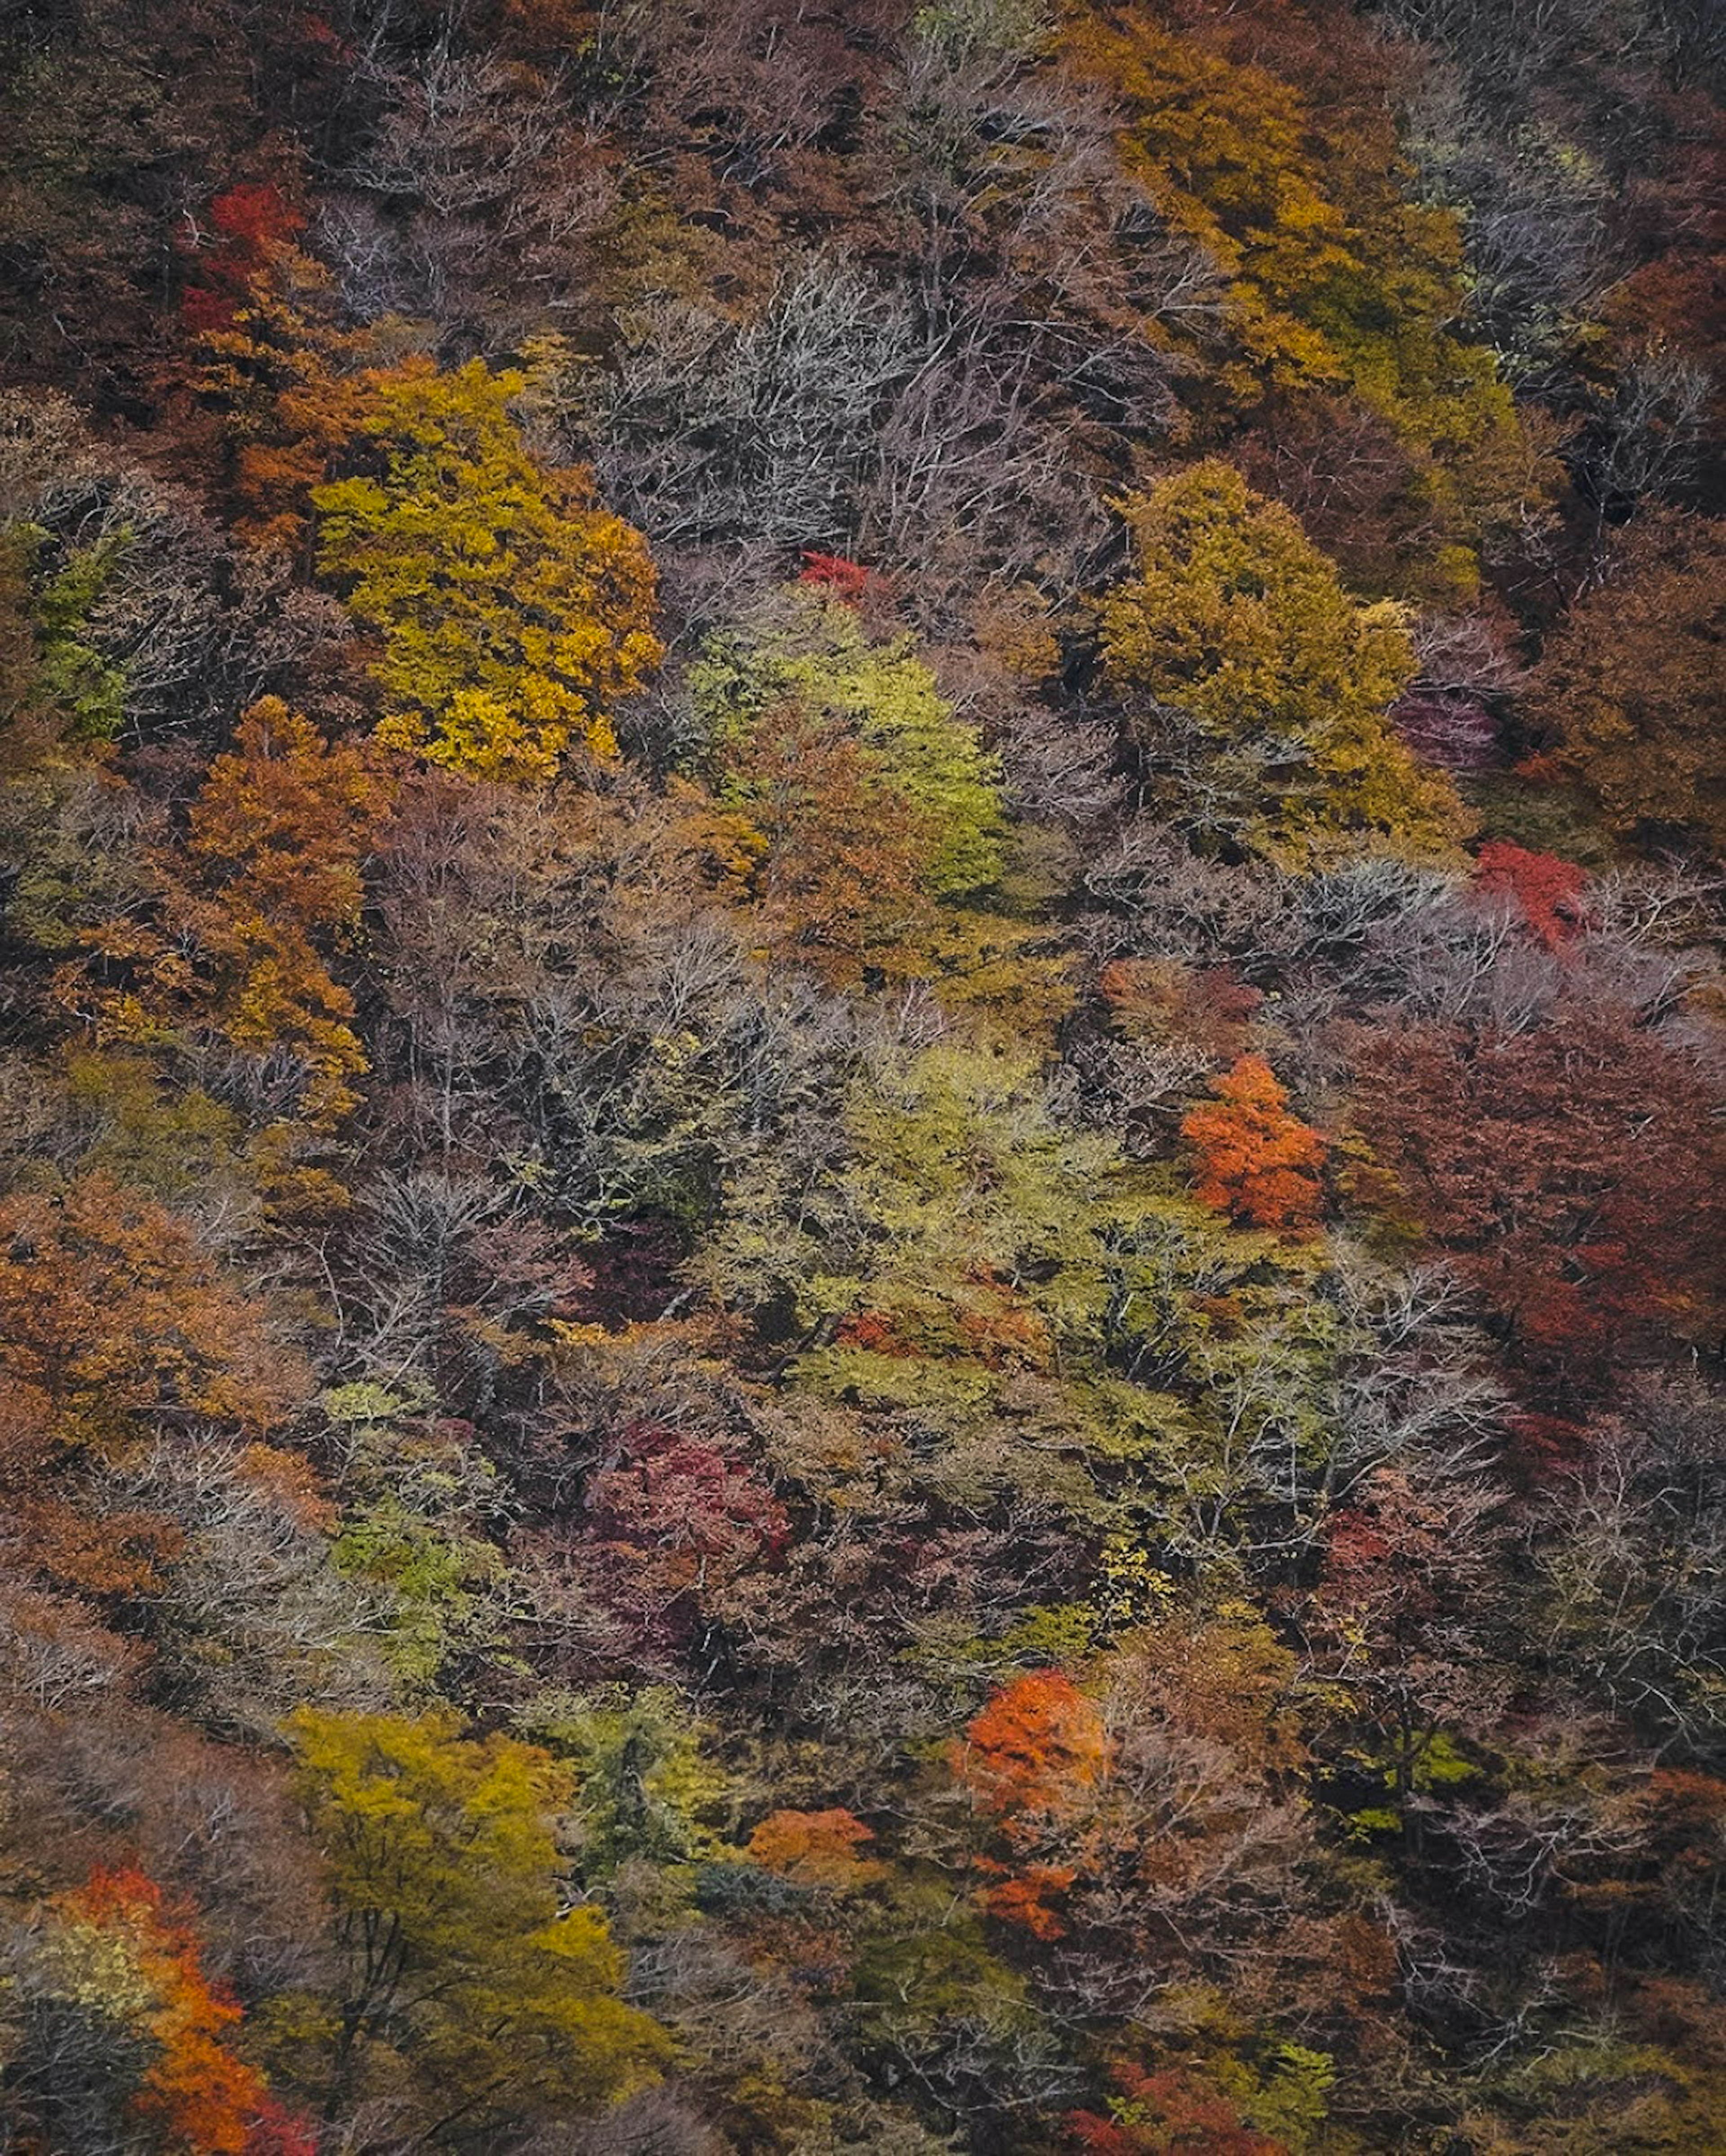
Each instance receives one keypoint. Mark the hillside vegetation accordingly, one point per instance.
(861, 1048)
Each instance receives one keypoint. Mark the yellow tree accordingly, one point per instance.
(1333, 273)
(441, 1859)
(512, 610)
(1265, 684)
(278, 838)
(1341, 299)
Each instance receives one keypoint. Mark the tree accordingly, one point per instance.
(155, 619)
(1546, 891)
(1033, 1762)
(30, 726)
(1329, 274)
(237, 928)
(675, 1528)
(1034, 1751)
(845, 860)
(1006, 1584)
(751, 434)
(955, 1263)
(290, 387)
(278, 837)
(1564, 1172)
(1239, 629)
(251, 223)
(62, 678)
(112, 1321)
(1167, 2112)
(1254, 1159)
(114, 1952)
(513, 611)
(1409, 1611)
(821, 1850)
(1147, 1824)
(1629, 684)
(1629, 1549)
(442, 1863)
(813, 654)
(647, 1786)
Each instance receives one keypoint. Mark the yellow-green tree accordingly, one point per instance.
(1330, 276)
(1264, 682)
(816, 657)
(441, 1861)
(512, 610)
(872, 807)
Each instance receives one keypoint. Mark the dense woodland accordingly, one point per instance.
(860, 1049)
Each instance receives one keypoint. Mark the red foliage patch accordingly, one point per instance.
(250, 221)
(1547, 889)
(845, 579)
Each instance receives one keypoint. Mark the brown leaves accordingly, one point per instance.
(112, 1318)
(843, 876)
(1565, 1173)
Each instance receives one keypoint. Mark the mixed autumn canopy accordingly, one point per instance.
(861, 1056)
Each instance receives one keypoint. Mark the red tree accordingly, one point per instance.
(1034, 1749)
(1548, 890)
(845, 579)
(249, 222)
(1167, 2113)
(675, 1525)
(1034, 1759)
(1566, 1172)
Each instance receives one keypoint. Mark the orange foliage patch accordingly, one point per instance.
(816, 1849)
(1036, 1747)
(1255, 1161)
(209, 2102)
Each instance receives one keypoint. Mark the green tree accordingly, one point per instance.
(646, 1785)
(89, 688)
(1058, 1317)
(816, 657)
(443, 1869)
(513, 610)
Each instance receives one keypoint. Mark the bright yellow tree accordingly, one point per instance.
(441, 1859)
(513, 609)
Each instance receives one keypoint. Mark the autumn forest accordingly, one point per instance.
(862, 1032)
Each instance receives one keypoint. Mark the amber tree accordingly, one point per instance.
(1633, 689)
(1257, 689)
